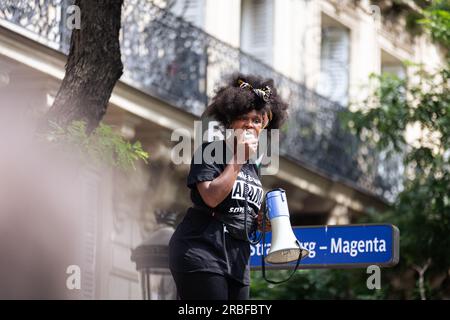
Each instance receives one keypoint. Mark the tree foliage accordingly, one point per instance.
(411, 117)
(101, 146)
(422, 209)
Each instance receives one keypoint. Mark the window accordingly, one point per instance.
(392, 65)
(334, 63)
(257, 29)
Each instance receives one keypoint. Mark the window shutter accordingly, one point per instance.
(90, 185)
(257, 29)
(334, 64)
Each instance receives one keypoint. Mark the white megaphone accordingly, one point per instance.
(285, 247)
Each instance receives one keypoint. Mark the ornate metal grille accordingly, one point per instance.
(172, 59)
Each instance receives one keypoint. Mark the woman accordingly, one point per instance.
(209, 251)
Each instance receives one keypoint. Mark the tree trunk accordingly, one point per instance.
(93, 67)
(421, 271)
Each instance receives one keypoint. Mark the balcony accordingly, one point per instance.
(180, 64)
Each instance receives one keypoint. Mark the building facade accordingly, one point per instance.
(320, 53)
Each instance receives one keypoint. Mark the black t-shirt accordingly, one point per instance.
(201, 242)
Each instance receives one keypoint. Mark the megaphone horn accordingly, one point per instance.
(285, 247)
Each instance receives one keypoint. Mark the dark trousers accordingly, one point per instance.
(209, 286)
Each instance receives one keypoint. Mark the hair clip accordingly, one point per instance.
(264, 93)
(243, 84)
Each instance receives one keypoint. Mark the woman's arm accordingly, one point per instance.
(215, 191)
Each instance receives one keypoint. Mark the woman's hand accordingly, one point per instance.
(246, 145)
(268, 227)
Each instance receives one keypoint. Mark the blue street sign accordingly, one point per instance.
(346, 246)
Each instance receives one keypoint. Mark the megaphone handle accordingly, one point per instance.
(264, 265)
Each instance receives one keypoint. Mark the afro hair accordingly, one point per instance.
(231, 101)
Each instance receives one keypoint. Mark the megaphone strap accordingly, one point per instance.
(290, 276)
(246, 212)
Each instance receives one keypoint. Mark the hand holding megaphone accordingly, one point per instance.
(284, 247)
(267, 225)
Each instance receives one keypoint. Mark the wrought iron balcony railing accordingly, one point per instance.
(170, 58)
